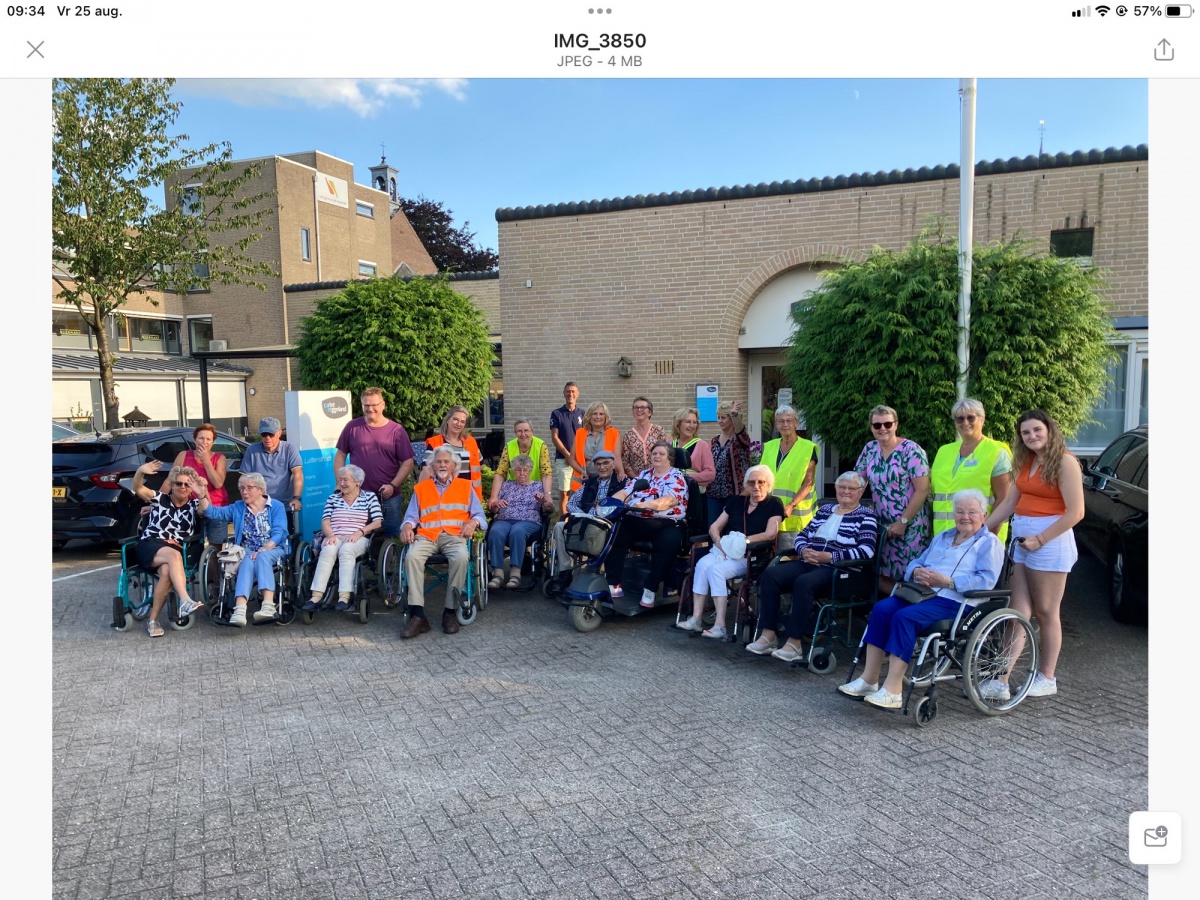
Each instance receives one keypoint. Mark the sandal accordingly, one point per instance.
(513, 583)
(494, 584)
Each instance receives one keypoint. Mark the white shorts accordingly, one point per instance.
(1057, 556)
(562, 476)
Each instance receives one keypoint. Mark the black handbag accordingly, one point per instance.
(912, 593)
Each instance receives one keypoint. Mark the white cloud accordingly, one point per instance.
(364, 96)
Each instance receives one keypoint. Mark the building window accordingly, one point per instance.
(366, 268)
(153, 335)
(69, 331)
(1125, 401)
(1073, 243)
(190, 201)
(364, 209)
(200, 334)
(305, 246)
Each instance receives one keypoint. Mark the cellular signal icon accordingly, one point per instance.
(1103, 10)
(1080, 13)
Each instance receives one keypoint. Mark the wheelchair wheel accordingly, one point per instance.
(176, 622)
(390, 586)
(932, 667)
(584, 618)
(1002, 642)
(925, 712)
(364, 609)
(822, 662)
(465, 610)
(208, 573)
(121, 620)
(481, 580)
(141, 595)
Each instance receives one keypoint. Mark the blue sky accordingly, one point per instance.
(483, 144)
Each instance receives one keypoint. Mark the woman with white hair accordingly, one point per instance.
(793, 459)
(260, 528)
(968, 557)
(756, 515)
(839, 531)
(351, 515)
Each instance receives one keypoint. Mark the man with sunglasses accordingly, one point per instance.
(278, 462)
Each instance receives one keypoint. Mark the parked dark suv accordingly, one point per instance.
(1116, 521)
(92, 475)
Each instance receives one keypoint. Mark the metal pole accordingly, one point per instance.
(204, 389)
(966, 228)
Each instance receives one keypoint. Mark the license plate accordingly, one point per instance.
(60, 493)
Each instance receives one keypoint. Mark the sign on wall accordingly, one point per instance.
(332, 190)
(315, 420)
(706, 402)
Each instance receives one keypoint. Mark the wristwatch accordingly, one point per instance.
(952, 586)
(904, 520)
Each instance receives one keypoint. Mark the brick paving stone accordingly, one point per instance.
(521, 758)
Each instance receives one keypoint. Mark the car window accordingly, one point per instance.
(1132, 461)
(89, 455)
(1142, 478)
(231, 451)
(1107, 463)
(166, 448)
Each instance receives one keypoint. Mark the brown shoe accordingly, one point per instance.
(416, 625)
(449, 622)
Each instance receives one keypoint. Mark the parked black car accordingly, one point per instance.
(92, 475)
(1116, 521)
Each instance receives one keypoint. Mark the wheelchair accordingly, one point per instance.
(135, 585)
(211, 576)
(843, 613)
(537, 562)
(977, 646)
(743, 591)
(360, 601)
(466, 602)
(221, 605)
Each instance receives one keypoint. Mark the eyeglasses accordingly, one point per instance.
(267, 434)
(886, 426)
(603, 462)
(970, 420)
(757, 481)
(636, 408)
(849, 487)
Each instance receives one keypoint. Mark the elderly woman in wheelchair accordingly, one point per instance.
(756, 516)
(965, 558)
(260, 528)
(170, 522)
(350, 516)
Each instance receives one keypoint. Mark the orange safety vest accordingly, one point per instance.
(612, 437)
(448, 511)
(472, 449)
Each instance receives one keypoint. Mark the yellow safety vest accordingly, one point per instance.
(974, 472)
(535, 453)
(788, 479)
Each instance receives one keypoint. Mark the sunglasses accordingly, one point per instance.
(968, 419)
(886, 426)
(267, 434)
(757, 481)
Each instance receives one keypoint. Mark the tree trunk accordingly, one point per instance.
(108, 388)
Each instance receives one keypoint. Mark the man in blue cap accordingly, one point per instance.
(278, 462)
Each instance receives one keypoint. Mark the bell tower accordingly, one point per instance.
(383, 178)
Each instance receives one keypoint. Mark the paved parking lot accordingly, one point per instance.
(521, 758)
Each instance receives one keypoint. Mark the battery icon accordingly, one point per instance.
(1179, 12)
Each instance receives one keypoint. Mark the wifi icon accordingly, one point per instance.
(1103, 10)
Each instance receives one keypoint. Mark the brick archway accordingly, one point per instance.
(767, 271)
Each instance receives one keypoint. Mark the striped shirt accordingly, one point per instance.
(345, 519)
(856, 534)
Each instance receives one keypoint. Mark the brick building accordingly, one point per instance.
(323, 227)
(694, 288)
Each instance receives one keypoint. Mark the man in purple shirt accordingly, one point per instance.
(381, 448)
(564, 422)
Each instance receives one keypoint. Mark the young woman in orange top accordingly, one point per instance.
(1047, 498)
(454, 434)
(596, 434)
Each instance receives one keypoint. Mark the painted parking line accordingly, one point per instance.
(88, 572)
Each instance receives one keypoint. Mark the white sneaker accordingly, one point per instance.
(1042, 686)
(239, 616)
(884, 700)
(994, 689)
(717, 631)
(647, 599)
(690, 624)
(267, 612)
(858, 688)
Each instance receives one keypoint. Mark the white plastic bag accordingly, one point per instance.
(734, 545)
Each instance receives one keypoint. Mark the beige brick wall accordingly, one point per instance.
(672, 284)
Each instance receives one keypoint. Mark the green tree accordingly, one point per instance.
(885, 331)
(112, 146)
(424, 344)
(450, 248)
